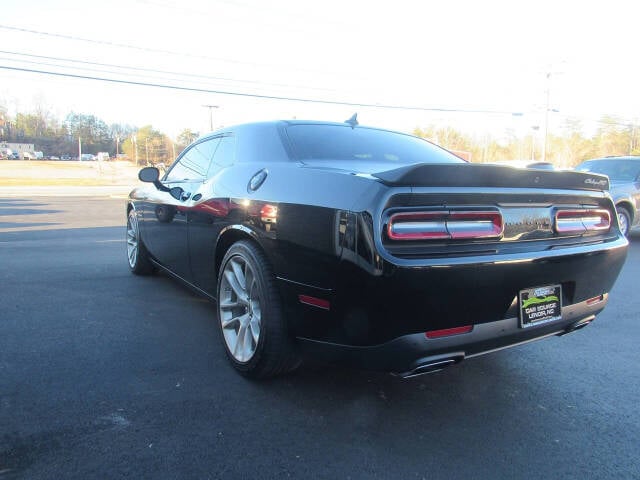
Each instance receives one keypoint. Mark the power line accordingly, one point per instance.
(154, 50)
(150, 70)
(265, 97)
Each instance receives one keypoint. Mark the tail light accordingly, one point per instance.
(582, 221)
(446, 225)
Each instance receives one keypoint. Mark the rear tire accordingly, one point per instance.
(624, 220)
(139, 262)
(252, 325)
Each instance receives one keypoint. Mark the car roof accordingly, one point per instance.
(280, 123)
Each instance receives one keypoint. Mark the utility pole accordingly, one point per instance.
(210, 107)
(79, 149)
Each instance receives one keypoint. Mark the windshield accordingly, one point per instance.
(616, 170)
(337, 142)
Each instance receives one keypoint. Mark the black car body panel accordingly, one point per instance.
(354, 292)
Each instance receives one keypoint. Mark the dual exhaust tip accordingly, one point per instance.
(440, 362)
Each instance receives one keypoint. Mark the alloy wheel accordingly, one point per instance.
(239, 308)
(132, 239)
(623, 220)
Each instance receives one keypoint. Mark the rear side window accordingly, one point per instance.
(337, 142)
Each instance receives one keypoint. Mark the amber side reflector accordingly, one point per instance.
(315, 302)
(448, 332)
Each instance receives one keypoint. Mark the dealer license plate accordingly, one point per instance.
(540, 305)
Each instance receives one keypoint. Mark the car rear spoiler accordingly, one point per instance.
(483, 175)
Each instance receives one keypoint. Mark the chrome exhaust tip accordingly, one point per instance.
(576, 326)
(432, 365)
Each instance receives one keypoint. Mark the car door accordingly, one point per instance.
(211, 213)
(166, 213)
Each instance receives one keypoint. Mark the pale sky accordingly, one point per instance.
(459, 55)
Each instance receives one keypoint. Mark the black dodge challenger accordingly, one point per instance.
(373, 248)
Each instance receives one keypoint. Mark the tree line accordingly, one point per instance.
(565, 147)
(54, 136)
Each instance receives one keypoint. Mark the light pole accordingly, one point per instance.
(134, 139)
(546, 114)
(210, 107)
(546, 118)
(534, 129)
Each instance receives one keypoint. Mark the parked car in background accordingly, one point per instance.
(624, 178)
(373, 248)
(87, 157)
(65, 157)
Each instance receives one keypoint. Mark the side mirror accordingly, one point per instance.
(149, 174)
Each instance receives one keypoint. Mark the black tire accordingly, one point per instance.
(138, 256)
(625, 223)
(274, 352)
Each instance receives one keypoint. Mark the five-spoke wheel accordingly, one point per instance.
(239, 307)
(139, 262)
(251, 321)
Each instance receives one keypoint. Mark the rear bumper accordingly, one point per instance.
(415, 354)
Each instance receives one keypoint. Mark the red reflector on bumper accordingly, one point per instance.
(447, 332)
(594, 300)
(315, 302)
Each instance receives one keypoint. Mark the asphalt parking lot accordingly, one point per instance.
(108, 375)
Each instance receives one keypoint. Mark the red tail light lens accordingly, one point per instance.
(418, 226)
(445, 225)
(582, 220)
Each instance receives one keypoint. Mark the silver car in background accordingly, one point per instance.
(624, 178)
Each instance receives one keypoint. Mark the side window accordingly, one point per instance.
(193, 165)
(225, 155)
